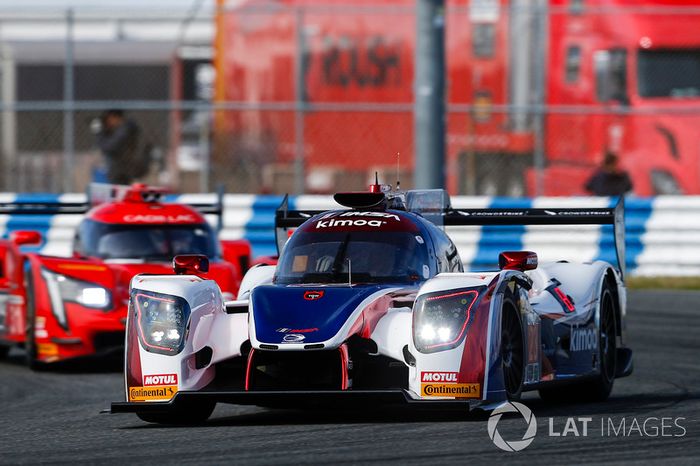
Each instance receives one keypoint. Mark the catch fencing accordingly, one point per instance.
(662, 233)
(313, 97)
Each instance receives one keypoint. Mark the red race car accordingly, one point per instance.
(67, 307)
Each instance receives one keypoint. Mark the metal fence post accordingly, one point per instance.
(68, 111)
(429, 94)
(300, 105)
(205, 152)
(540, 76)
(8, 133)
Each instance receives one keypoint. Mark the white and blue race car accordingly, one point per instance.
(370, 304)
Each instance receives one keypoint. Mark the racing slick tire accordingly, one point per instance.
(183, 414)
(30, 346)
(599, 388)
(512, 350)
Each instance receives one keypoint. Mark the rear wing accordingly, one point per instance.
(216, 208)
(559, 216)
(98, 194)
(43, 207)
(286, 220)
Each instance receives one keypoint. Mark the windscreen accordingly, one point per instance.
(148, 242)
(669, 73)
(354, 256)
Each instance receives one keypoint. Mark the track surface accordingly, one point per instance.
(54, 417)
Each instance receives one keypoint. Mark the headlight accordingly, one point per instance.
(441, 319)
(64, 289)
(161, 320)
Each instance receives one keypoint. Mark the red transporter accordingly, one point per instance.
(61, 308)
(619, 75)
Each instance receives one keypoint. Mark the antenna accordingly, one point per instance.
(398, 170)
(376, 177)
(349, 272)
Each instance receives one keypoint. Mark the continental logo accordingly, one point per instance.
(47, 349)
(456, 390)
(163, 393)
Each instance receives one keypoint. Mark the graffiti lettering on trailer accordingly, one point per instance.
(348, 61)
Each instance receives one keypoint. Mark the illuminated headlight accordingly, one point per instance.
(441, 319)
(64, 289)
(161, 320)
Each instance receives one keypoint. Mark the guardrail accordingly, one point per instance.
(662, 233)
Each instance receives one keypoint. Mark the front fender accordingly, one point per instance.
(473, 369)
(192, 368)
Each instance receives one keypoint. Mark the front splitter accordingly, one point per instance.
(295, 399)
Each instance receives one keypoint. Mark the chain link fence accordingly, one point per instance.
(315, 97)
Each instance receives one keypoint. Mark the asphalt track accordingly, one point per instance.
(55, 417)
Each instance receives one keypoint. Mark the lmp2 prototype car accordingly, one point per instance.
(371, 304)
(66, 307)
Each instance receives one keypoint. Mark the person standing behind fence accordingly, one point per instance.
(610, 179)
(118, 137)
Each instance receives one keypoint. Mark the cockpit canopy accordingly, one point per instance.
(156, 242)
(344, 247)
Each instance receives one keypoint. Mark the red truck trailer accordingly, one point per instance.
(537, 90)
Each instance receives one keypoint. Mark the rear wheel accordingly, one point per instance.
(512, 350)
(600, 388)
(188, 413)
(3, 351)
(597, 389)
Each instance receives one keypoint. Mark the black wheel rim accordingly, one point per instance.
(512, 353)
(607, 338)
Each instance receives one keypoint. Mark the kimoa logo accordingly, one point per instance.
(512, 445)
(334, 222)
(583, 339)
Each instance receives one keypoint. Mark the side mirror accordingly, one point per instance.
(517, 260)
(26, 238)
(190, 264)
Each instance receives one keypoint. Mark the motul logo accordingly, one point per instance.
(439, 377)
(163, 379)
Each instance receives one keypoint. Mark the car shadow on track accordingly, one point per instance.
(630, 405)
(85, 365)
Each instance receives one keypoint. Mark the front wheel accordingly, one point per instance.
(512, 350)
(30, 346)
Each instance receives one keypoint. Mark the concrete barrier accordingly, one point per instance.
(662, 233)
